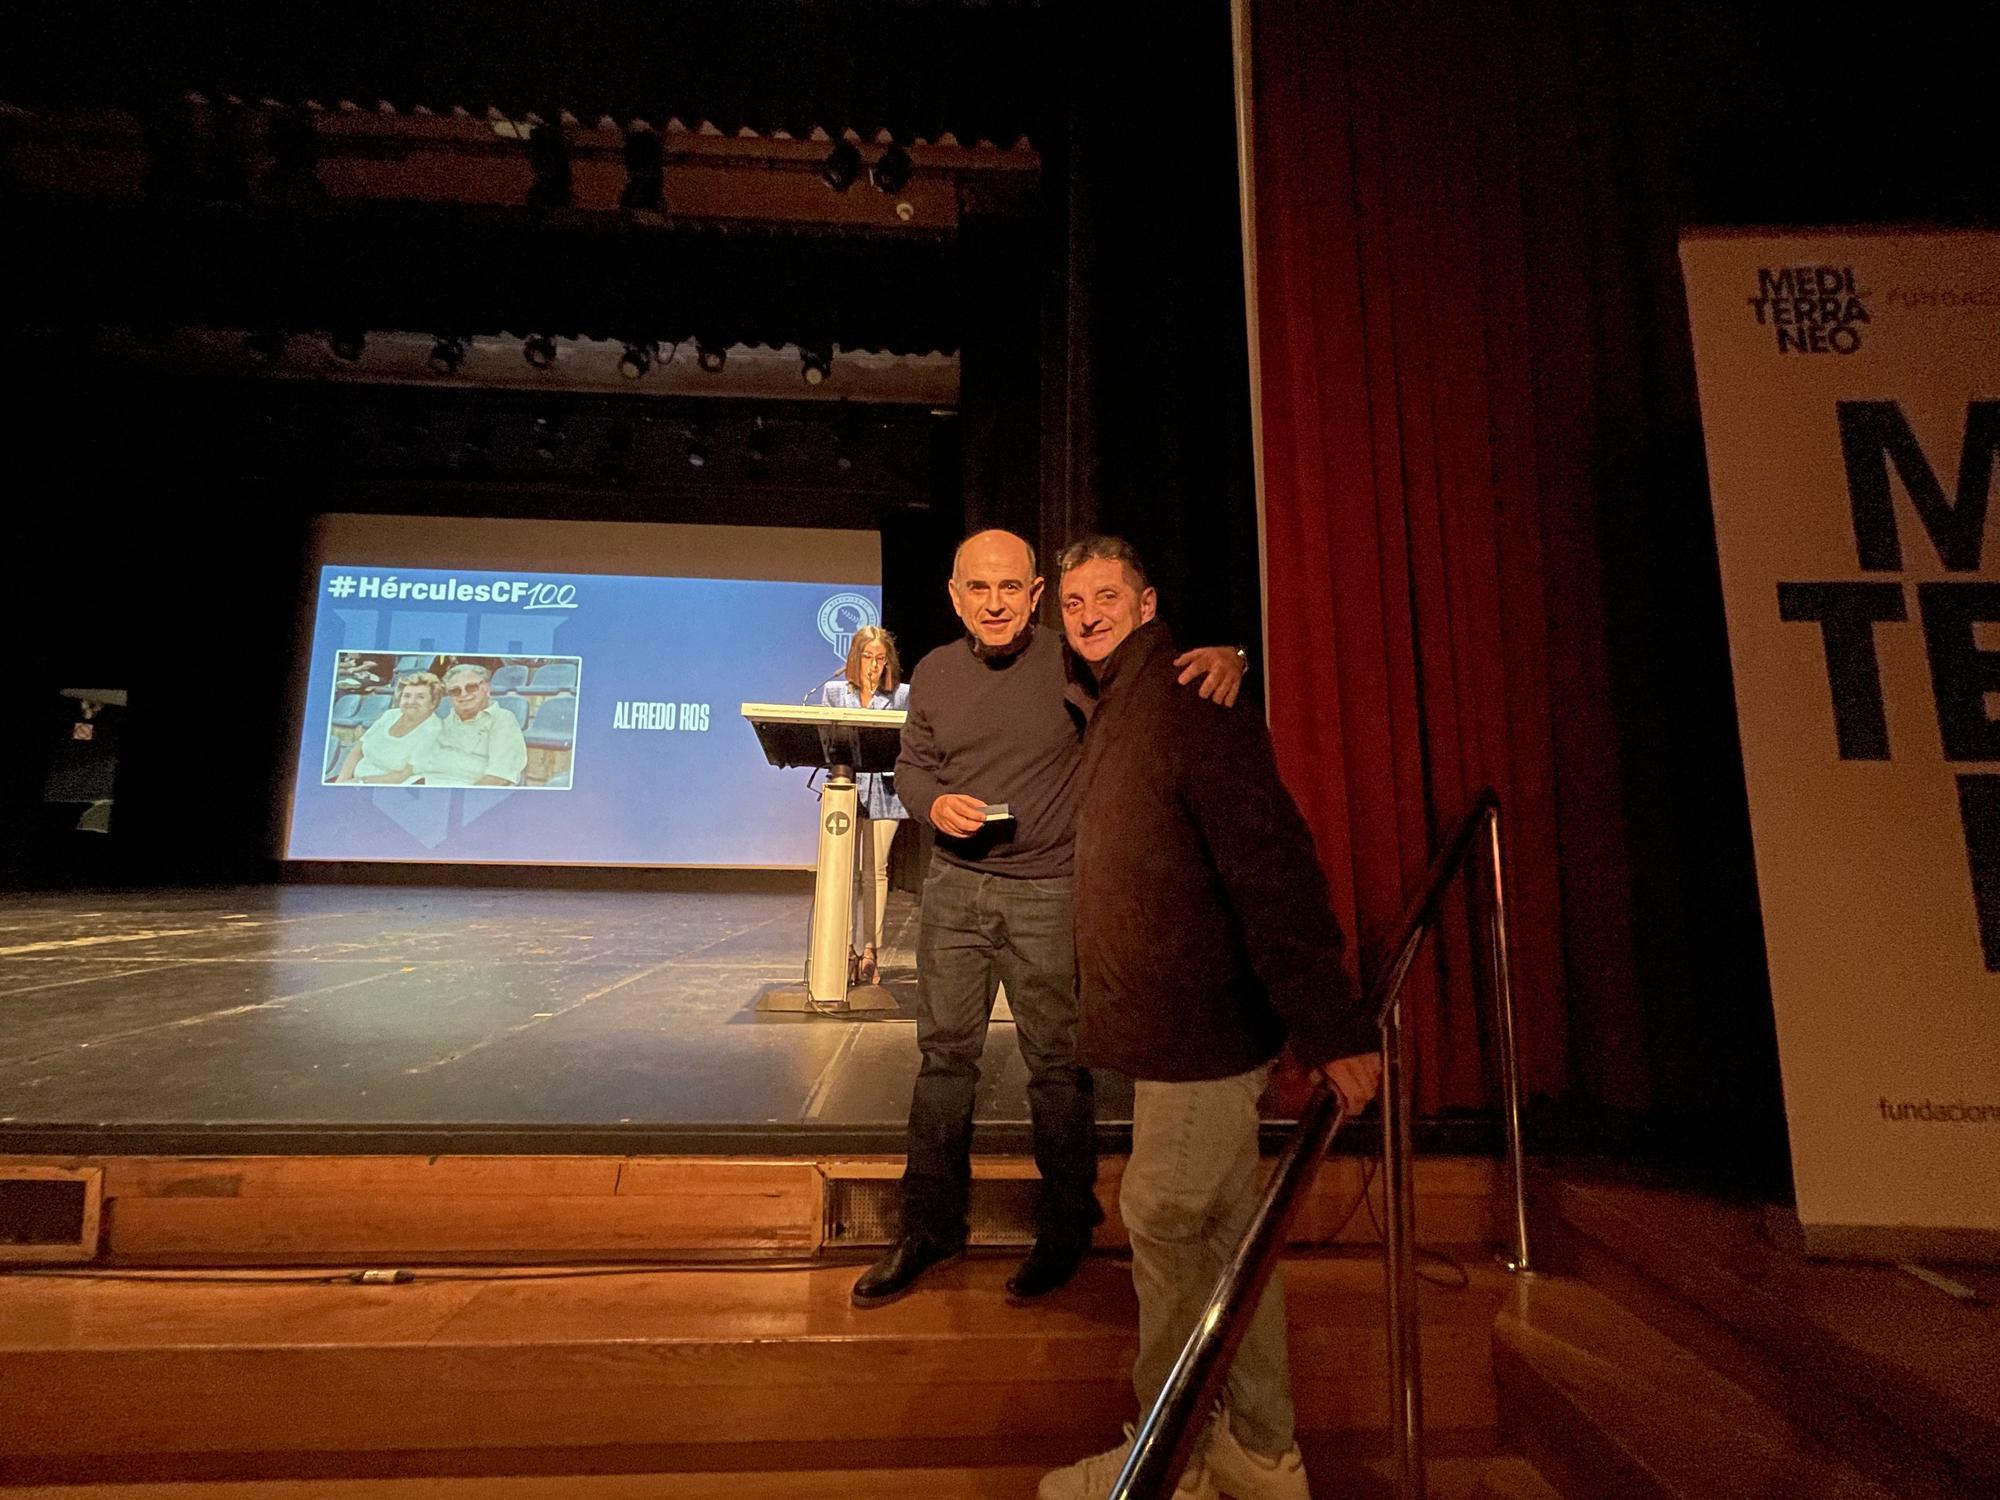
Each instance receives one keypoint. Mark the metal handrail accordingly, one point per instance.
(1161, 1447)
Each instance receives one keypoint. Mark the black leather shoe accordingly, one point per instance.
(1049, 1265)
(898, 1271)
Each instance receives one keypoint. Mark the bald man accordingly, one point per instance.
(989, 757)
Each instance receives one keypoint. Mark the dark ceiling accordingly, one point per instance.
(199, 251)
(917, 70)
(435, 269)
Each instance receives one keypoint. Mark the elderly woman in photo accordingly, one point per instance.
(387, 752)
(873, 679)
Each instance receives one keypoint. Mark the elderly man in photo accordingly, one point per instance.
(989, 758)
(1205, 942)
(479, 743)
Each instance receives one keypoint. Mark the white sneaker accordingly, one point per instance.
(1243, 1475)
(1091, 1478)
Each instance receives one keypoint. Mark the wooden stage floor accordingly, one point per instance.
(346, 1017)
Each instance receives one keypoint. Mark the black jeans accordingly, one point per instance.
(979, 930)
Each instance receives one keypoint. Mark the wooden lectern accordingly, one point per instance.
(840, 741)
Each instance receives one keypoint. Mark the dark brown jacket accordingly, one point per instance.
(1204, 937)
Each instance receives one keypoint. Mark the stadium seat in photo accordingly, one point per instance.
(551, 740)
(551, 678)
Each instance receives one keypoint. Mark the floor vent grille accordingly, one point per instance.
(864, 1210)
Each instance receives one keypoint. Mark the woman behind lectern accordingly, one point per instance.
(873, 679)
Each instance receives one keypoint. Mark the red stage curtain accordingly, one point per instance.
(1407, 499)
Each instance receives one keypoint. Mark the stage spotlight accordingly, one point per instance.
(815, 363)
(547, 435)
(645, 173)
(711, 357)
(841, 167)
(266, 345)
(757, 457)
(447, 354)
(891, 172)
(225, 146)
(347, 344)
(548, 159)
(539, 350)
(636, 361)
(293, 176)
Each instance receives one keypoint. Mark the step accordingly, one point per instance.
(1506, 1479)
(1003, 1482)
(105, 1378)
(1450, 1479)
(1888, 1371)
(1604, 1404)
(458, 1210)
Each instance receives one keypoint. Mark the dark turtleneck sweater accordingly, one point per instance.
(1204, 936)
(995, 726)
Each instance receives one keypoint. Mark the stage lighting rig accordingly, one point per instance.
(637, 360)
(815, 363)
(891, 172)
(841, 167)
(711, 357)
(447, 354)
(539, 350)
(346, 344)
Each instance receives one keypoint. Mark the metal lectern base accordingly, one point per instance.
(794, 999)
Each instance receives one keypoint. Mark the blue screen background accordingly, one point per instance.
(637, 796)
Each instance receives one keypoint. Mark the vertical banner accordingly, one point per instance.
(1850, 399)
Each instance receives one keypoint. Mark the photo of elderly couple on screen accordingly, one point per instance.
(452, 720)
